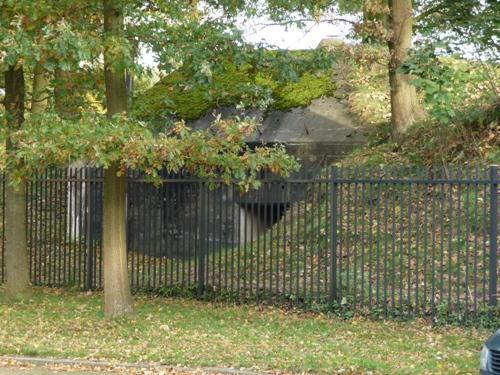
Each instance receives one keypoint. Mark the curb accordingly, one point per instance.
(144, 366)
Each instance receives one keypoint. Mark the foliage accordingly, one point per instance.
(48, 140)
(34, 32)
(453, 87)
(459, 97)
(68, 324)
(461, 25)
(73, 37)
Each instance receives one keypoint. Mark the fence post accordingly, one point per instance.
(89, 229)
(202, 241)
(493, 233)
(333, 265)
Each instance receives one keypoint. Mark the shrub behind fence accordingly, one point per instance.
(402, 241)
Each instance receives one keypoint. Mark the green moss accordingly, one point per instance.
(228, 88)
(302, 92)
(168, 96)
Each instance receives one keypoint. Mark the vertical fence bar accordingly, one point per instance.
(133, 233)
(239, 211)
(66, 206)
(355, 239)
(347, 247)
(401, 236)
(450, 244)
(258, 194)
(433, 241)
(379, 240)
(184, 230)
(467, 233)
(34, 224)
(418, 184)
(363, 235)
(272, 204)
(321, 251)
(459, 233)
(441, 242)
(29, 228)
(95, 233)
(476, 230)
(202, 240)
(148, 236)
(79, 228)
(2, 266)
(226, 235)
(89, 267)
(484, 235)
(340, 246)
(297, 238)
(386, 243)
(290, 291)
(370, 240)
(333, 215)
(197, 202)
(46, 225)
(493, 234)
(409, 240)
(231, 202)
(210, 238)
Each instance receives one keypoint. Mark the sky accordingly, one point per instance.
(294, 37)
(256, 31)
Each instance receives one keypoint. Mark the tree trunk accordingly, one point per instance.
(117, 296)
(39, 99)
(405, 109)
(16, 252)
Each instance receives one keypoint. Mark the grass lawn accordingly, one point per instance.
(191, 333)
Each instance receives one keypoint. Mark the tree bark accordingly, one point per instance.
(117, 295)
(405, 109)
(39, 98)
(16, 253)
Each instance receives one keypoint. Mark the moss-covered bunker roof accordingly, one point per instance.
(228, 89)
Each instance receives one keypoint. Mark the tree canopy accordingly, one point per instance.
(69, 36)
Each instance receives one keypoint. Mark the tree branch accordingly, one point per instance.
(290, 22)
(436, 9)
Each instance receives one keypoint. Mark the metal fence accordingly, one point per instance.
(404, 241)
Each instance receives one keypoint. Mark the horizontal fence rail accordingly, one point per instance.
(395, 241)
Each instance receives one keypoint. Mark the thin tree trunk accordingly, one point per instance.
(117, 296)
(39, 99)
(16, 253)
(405, 109)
